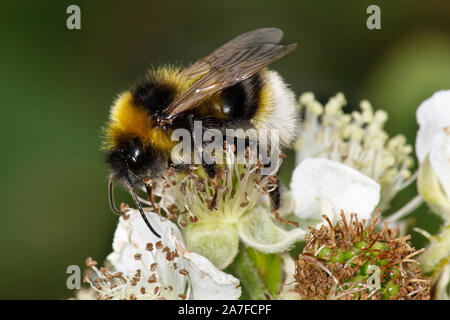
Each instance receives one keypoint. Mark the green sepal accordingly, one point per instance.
(268, 267)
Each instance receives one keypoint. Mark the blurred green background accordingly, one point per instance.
(57, 86)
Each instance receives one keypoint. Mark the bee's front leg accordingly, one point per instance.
(208, 163)
(210, 169)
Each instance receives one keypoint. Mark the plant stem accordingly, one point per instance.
(243, 268)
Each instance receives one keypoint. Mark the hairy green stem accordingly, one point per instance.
(244, 269)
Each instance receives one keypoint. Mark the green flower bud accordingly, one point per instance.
(217, 242)
(431, 190)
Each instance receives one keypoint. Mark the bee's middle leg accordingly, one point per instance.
(275, 196)
(275, 202)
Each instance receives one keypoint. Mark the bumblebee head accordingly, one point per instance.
(134, 141)
(132, 161)
(133, 165)
(137, 145)
(135, 149)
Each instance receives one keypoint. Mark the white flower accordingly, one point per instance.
(321, 186)
(357, 140)
(219, 212)
(433, 184)
(433, 115)
(85, 294)
(433, 151)
(440, 157)
(145, 267)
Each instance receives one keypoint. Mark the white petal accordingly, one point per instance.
(208, 282)
(432, 116)
(289, 272)
(336, 186)
(86, 294)
(288, 285)
(257, 230)
(440, 158)
(132, 236)
(289, 295)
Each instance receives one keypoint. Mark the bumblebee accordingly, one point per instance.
(228, 89)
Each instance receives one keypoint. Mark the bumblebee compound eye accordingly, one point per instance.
(135, 162)
(136, 159)
(134, 156)
(127, 160)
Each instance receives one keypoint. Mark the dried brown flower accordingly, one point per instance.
(349, 261)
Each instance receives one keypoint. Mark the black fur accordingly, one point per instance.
(210, 169)
(242, 99)
(153, 96)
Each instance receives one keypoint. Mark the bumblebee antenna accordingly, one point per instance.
(111, 197)
(138, 204)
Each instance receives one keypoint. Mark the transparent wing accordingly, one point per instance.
(221, 56)
(231, 63)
